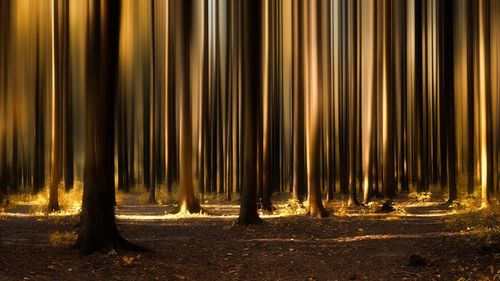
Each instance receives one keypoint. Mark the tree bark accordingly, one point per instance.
(251, 64)
(388, 107)
(98, 230)
(187, 200)
(449, 93)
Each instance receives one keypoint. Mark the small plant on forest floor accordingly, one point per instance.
(290, 208)
(422, 197)
(341, 211)
(467, 203)
(63, 239)
(70, 202)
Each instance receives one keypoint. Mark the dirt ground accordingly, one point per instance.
(353, 244)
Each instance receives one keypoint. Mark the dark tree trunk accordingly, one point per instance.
(419, 96)
(98, 230)
(58, 92)
(153, 113)
(489, 108)
(449, 93)
(67, 111)
(470, 97)
(352, 100)
(251, 63)
(39, 157)
(5, 37)
(299, 168)
(389, 184)
(404, 100)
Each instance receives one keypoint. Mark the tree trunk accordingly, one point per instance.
(388, 107)
(470, 97)
(299, 169)
(187, 200)
(98, 230)
(67, 111)
(315, 208)
(58, 91)
(449, 93)
(352, 100)
(251, 64)
(39, 157)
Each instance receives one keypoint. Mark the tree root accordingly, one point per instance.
(117, 243)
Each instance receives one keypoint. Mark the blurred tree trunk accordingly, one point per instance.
(315, 208)
(202, 152)
(98, 229)
(153, 112)
(488, 105)
(265, 112)
(251, 64)
(449, 92)
(171, 134)
(404, 97)
(471, 4)
(352, 30)
(299, 162)
(5, 37)
(57, 104)
(184, 15)
(39, 157)
(67, 107)
(419, 96)
(389, 98)
(344, 101)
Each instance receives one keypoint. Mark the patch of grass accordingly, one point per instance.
(63, 239)
(70, 202)
(291, 207)
(421, 197)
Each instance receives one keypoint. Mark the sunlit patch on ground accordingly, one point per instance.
(62, 238)
(69, 202)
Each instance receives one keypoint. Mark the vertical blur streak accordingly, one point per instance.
(355, 88)
(482, 105)
(367, 47)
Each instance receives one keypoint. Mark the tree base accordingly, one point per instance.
(269, 209)
(85, 245)
(317, 212)
(53, 207)
(352, 203)
(248, 220)
(189, 208)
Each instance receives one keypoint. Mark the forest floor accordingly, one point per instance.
(422, 240)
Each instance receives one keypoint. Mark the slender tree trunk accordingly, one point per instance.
(352, 99)
(315, 208)
(39, 157)
(388, 106)
(470, 97)
(187, 200)
(5, 37)
(299, 169)
(449, 93)
(483, 107)
(57, 106)
(251, 47)
(153, 112)
(67, 113)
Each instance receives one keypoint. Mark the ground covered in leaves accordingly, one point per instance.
(421, 240)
